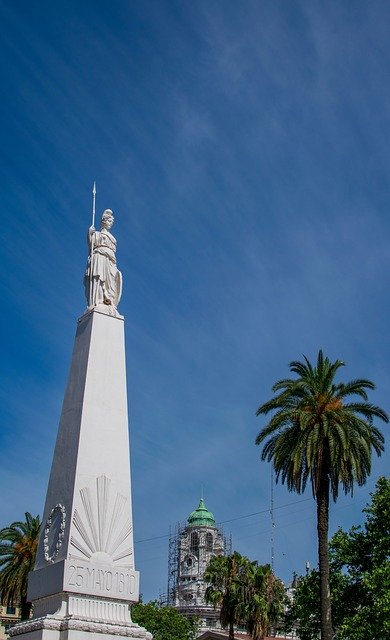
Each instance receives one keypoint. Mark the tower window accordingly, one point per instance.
(209, 541)
(194, 542)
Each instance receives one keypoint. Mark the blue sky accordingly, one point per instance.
(243, 147)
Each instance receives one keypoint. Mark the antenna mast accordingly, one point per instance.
(271, 513)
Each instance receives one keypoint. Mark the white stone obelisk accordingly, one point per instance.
(84, 577)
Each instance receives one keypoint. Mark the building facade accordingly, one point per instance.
(190, 550)
(9, 615)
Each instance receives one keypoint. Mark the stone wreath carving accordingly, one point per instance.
(54, 532)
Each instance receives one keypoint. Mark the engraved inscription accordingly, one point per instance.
(105, 581)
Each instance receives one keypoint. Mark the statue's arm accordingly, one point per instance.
(92, 237)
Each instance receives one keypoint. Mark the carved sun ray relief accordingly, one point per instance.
(103, 528)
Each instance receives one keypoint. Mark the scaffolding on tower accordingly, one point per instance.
(175, 534)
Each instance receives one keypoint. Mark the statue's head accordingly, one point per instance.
(107, 219)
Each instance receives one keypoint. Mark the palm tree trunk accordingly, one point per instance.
(231, 630)
(322, 498)
(25, 608)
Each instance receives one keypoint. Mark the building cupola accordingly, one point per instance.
(201, 517)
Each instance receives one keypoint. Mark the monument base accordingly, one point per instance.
(78, 617)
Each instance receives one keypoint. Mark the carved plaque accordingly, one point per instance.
(108, 581)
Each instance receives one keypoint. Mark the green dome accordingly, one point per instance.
(201, 517)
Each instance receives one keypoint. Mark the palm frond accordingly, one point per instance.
(18, 545)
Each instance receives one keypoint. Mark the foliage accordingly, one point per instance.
(305, 611)
(165, 623)
(372, 619)
(265, 600)
(365, 555)
(359, 576)
(247, 593)
(18, 547)
(321, 431)
(226, 578)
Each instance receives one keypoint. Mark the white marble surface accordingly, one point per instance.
(88, 504)
(102, 279)
(84, 577)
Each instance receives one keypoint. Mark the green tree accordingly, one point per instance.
(18, 547)
(226, 576)
(248, 594)
(359, 579)
(363, 555)
(265, 599)
(165, 623)
(305, 610)
(323, 431)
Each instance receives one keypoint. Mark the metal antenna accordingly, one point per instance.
(271, 513)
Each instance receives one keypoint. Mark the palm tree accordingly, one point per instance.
(226, 588)
(18, 546)
(265, 598)
(319, 432)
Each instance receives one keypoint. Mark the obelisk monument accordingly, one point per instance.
(84, 577)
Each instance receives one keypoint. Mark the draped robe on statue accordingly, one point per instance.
(103, 280)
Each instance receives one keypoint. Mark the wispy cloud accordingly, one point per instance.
(244, 153)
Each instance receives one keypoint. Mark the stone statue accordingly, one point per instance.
(103, 280)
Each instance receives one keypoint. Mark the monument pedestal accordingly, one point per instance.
(80, 618)
(84, 577)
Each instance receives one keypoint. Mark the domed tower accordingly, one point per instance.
(191, 549)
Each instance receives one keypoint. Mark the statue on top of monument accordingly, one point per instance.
(103, 280)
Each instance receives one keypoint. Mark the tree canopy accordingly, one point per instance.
(359, 576)
(226, 576)
(321, 431)
(18, 547)
(247, 593)
(165, 623)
